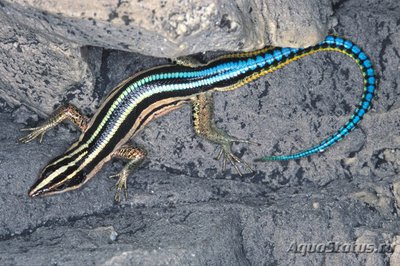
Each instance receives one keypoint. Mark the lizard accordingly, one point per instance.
(152, 93)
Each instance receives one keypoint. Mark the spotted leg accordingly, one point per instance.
(204, 127)
(136, 157)
(69, 112)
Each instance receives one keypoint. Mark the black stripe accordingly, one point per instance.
(126, 126)
(90, 131)
(155, 110)
(163, 95)
(167, 69)
(64, 161)
(64, 174)
(78, 179)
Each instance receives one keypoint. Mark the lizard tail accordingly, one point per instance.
(333, 43)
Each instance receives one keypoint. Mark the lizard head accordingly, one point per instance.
(62, 174)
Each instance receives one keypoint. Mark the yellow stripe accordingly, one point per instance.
(48, 179)
(272, 69)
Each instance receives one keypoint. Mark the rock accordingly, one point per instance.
(395, 256)
(378, 197)
(396, 193)
(174, 28)
(367, 244)
(47, 54)
(181, 207)
(39, 71)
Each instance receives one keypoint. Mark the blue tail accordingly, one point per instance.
(333, 43)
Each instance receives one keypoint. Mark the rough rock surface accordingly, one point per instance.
(171, 28)
(181, 208)
(44, 44)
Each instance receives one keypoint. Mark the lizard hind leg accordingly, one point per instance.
(205, 128)
(189, 61)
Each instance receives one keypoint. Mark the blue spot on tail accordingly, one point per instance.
(269, 58)
(278, 55)
(355, 49)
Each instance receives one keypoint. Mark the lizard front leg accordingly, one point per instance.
(136, 156)
(205, 127)
(69, 112)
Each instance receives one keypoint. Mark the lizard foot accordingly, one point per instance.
(34, 133)
(227, 155)
(121, 185)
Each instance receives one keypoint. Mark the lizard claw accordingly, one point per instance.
(121, 185)
(34, 133)
(227, 156)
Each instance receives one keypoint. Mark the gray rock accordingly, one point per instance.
(173, 28)
(47, 53)
(181, 208)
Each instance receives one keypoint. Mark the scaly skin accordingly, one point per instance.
(155, 92)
